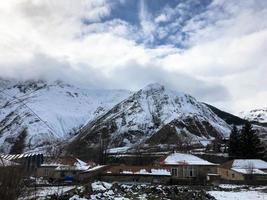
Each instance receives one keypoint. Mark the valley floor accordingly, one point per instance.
(107, 191)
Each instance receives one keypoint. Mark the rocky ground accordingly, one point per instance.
(107, 191)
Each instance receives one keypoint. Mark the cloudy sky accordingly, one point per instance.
(216, 50)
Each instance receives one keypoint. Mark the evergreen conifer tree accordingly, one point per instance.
(234, 143)
(251, 146)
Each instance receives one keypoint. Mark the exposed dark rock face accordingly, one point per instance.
(227, 117)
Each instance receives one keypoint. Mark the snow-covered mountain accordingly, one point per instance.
(155, 115)
(258, 115)
(34, 114)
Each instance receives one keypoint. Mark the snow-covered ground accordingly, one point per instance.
(240, 192)
(113, 191)
(241, 195)
(41, 193)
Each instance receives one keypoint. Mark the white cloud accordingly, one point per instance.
(161, 18)
(225, 63)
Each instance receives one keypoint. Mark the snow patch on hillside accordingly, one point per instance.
(259, 115)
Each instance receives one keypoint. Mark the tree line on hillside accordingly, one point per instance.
(245, 143)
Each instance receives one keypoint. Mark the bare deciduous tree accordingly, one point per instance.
(250, 170)
(11, 184)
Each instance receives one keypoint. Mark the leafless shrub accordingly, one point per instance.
(11, 184)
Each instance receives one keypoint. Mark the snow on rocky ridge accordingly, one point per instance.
(49, 111)
(144, 116)
(36, 114)
(258, 115)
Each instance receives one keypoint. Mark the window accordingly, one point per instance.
(233, 175)
(62, 174)
(174, 172)
(191, 173)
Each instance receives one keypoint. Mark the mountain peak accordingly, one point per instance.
(154, 87)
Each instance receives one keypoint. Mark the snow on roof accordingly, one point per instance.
(50, 164)
(185, 159)
(95, 168)
(248, 171)
(18, 156)
(69, 163)
(152, 172)
(80, 165)
(4, 162)
(118, 150)
(249, 163)
(158, 172)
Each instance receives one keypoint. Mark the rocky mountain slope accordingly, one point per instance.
(34, 114)
(258, 115)
(227, 117)
(260, 128)
(154, 116)
(37, 114)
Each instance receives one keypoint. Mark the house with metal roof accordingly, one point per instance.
(28, 161)
(244, 170)
(188, 168)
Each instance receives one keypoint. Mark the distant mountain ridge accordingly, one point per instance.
(257, 115)
(227, 117)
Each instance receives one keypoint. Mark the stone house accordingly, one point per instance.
(189, 169)
(244, 170)
(63, 169)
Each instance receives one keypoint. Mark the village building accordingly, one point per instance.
(63, 169)
(7, 163)
(28, 161)
(136, 174)
(92, 173)
(189, 169)
(244, 170)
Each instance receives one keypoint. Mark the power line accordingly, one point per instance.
(34, 113)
